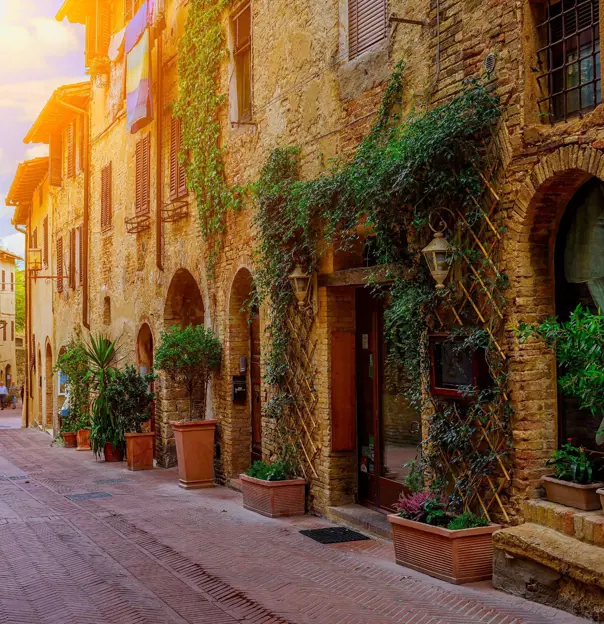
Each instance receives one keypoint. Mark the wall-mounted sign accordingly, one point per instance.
(239, 389)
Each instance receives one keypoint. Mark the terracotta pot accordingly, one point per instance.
(600, 493)
(83, 437)
(112, 453)
(274, 499)
(584, 497)
(69, 439)
(139, 450)
(463, 556)
(195, 452)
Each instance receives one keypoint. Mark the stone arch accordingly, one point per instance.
(539, 206)
(48, 389)
(144, 356)
(184, 303)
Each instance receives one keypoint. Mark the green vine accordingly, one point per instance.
(200, 100)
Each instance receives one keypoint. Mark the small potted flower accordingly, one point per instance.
(432, 539)
(271, 490)
(573, 483)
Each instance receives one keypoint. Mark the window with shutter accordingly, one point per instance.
(81, 253)
(56, 160)
(178, 182)
(45, 242)
(12, 281)
(4, 332)
(71, 150)
(98, 31)
(130, 9)
(12, 331)
(60, 264)
(241, 25)
(3, 280)
(81, 143)
(142, 175)
(367, 25)
(106, 197)
(72, 259)
(34, 238)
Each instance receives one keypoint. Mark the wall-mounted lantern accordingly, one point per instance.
(34, 259)
(300, 282)
(439, 255)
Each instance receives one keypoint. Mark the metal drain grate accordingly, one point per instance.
(111, 481)
(88, 496)
(19, 477)
(334, 535)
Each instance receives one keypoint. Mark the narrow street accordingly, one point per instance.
(83, 541)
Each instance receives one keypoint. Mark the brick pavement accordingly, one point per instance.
(144, 550)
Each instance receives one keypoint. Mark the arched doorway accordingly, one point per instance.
(184, 304)
(244, 335)
(579, 280)
(48, 420)
(144, 357)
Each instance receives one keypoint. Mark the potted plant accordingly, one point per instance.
(188, 357)
(130, 400)
(432, 539)
(82, 427)
(272, 490)
(573, 482)
(105, 436)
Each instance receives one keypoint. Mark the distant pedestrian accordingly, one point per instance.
(3, 395)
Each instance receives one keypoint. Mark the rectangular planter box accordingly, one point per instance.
(584, 497)
(83, 438)
(463, 556)
(195, 452)
(139, 450)
(274, 499)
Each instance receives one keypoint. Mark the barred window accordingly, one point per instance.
(569, 62)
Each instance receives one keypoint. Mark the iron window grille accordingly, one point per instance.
(569, 63)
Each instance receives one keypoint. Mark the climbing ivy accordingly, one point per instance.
(202, 51)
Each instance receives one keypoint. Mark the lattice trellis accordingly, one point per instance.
(299, 425)
(479, 301)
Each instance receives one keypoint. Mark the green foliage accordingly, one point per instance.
(20, 300)
(579, 346)
(414, 479)
(467, 520)
(571, 463)
(130, 399)
(189, 356)
(276, 471)
(101, 352)
(73, 362)
(202, 50)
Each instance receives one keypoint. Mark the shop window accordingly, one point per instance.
(241, 27)
(367, 25)
(569, 61)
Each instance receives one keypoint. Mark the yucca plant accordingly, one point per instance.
(102, 354)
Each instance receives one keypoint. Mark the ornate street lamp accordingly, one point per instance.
(34, 259)
(439, 255)
(300, 282)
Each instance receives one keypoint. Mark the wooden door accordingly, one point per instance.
(256, 386)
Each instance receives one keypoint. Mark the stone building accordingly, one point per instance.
(312, 74)
(8, 356)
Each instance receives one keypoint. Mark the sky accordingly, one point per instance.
(37, 54)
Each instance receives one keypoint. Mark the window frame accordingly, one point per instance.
(242, 56)
(356, 47)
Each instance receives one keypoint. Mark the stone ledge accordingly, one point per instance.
(359, 517)
(586, 526)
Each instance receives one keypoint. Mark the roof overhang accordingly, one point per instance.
(27, 179)
(64, 104)
(8, 255)
(75, 11)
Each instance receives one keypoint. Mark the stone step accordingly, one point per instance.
(362, 518)
(544, 565)
(585, 526)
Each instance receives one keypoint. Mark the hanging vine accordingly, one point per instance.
(202, 51)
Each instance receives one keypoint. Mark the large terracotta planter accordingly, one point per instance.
(463, 556)
(112, 453)
(195, 452)
(584, 497)
(274, 499)
(139, 450)
(83, 437)
(69, 439)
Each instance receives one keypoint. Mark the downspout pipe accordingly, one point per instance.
(159, 186)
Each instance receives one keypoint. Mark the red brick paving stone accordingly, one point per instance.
(156, 553)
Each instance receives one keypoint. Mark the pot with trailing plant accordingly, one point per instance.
(573, 483)
(106, 437)
(188, 357)
(429, 536)
(130, 398)
(271, 489)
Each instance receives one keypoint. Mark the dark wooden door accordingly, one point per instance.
(256, 386)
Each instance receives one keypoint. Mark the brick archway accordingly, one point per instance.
(533, 224)
(184, 303)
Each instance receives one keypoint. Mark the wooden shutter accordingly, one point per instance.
(81, 243)
(142, 175)
(367, 22)
(128, 10)
(60, 264)
(12, 281)
(12, 331)
(4, 332)
(34, 238)
(174, 158)
(45, 242)
(56, 160)
(81, 142)
(182, 172)
(71, 151)
(103, 28)
(106, 197)
(3, 280)
(72, 261)
(343, 391)
(146, 172)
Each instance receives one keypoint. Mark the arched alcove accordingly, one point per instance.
(184, 304)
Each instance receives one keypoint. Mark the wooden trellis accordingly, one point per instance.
(479, 302)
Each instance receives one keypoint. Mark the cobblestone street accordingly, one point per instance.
(82, 541)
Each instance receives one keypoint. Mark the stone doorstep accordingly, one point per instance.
(585, 526)
(235, 484)
(361, 518)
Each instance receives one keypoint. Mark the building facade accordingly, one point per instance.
(313, 75)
